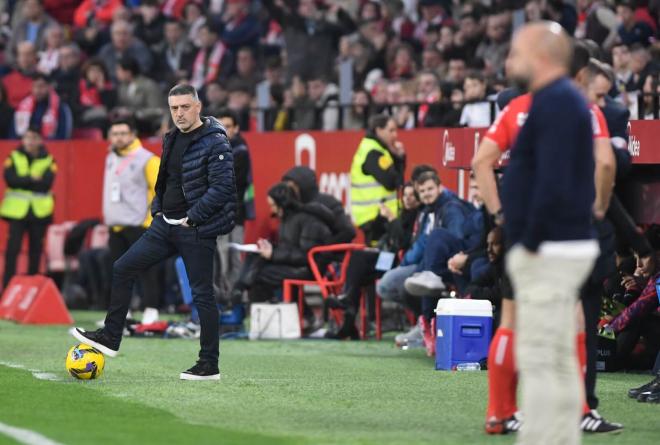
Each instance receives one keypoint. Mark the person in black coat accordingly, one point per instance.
(303, 181)
(302, 226)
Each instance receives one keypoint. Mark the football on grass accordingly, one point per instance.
(84, 362)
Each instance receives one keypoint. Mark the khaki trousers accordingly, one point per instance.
(546, 287)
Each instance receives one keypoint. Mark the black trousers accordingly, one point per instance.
(148, 281)
(159, 242)
(592, 299)
(36, 230)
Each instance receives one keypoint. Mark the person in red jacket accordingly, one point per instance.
(100, 11)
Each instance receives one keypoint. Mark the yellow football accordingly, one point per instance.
(84, 362)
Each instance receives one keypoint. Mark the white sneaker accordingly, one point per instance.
(424, 284)
(414, 338)
(150, 315)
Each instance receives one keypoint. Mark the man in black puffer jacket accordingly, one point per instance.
(303, 181)
(195, 202)
(302, 226)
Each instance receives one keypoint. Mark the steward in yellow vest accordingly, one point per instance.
(376, 175)
(28, 202)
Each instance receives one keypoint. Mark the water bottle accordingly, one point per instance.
(471, 366)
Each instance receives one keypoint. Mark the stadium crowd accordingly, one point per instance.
(72, 65)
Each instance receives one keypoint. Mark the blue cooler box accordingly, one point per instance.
(463, 331)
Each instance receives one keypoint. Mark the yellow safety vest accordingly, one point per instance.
(17, 202)
(366, 193)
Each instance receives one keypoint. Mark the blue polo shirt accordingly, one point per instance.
(548, 188)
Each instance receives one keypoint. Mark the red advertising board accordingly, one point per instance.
(79, 180)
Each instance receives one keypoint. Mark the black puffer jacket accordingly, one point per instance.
(207, 180)
(301, 230)
(340, 225)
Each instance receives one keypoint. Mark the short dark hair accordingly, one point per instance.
(581, 56)
(127, 120)
(182, 89)
(420, 169)
(40, 76)
(595, 68)
(475, 75)
(378, 121)
(227, 113)
(33, 128)
(428, 176)
(128, 63)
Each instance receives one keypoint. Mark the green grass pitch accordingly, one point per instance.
(302, 392)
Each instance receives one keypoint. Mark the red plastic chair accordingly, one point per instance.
(331, 283)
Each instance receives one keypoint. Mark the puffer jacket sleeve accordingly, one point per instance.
(220, 196)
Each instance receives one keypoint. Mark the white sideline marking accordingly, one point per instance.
(35, 372)
(45, 376)
(26, 437)
(12, 365)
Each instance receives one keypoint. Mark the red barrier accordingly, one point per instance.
(33, 300)
(79, 182)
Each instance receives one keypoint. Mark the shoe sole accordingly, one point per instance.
(418, 290)
(82, 339)
(191, 377)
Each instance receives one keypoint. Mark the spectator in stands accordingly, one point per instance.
(302, 226)
(96, 11)
(18, 82)
(213, 60)
(309, 37)
(495, 48)
(124, 44)
(361, 271)
(429, 95)
(240, 27)
(138, 95)
(273, 71)
(175, 55)
(303, 182)
(477, 110)
(631, 30)
(6, 114)
(43, 109)
(61, 10)
(246, 68)
(399, 95)
(621, 60)
(376, 174)
(129, 185)
(216, 97)
(402, 63)
(600, 24)
(432, 13)
(49, 56)
(97, 94)
(457, 69)
(431, 59)
(324, 96)
(66, 78)
(356, 117)
(31, 27)
(149, 23)
(641, 64)
(228, 264)
(28, 204)
(194, 18)
(470, 33)
(240, 99)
